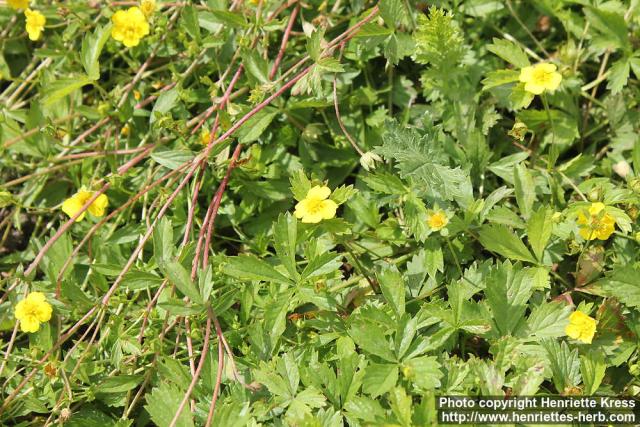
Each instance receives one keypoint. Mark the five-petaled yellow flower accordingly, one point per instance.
(539, 78)
(18, 4)
(437, 220)
(598, 224)
(73, 204)
(581, 327)
(148, 7)
(32, 311)
(35, 23)
(316, 206)
(129, 26)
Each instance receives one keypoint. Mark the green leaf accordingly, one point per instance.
(179, 277)
(163, 403)
(539, 229)
(190, 21)
(330, 65)
(519, 97)
(547, 320)
(392, 12)
(172, 159)
(321, 265)
(499, 78)
(401, 405)
(622, 283)
(564, 364)
(423, 371)
(611, 25)
(525, 189)
(618, 75)
(163, 241)
(423, 160)
(285, 238)
(372, 29)
(314, 45)
(232, 19)
(300, 184)
(118, 384)
(248, 267)
(392, 287)
(371, 338)
(165, 102)
(498, 238)
(439, 41)
(256, 125)
(91, 48)
(58, 89)
(592, 368)
(508, 288)
(379, 378)
(510, 52)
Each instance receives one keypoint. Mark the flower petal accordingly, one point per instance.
(319, 192)
(71, 206)
(328, 209)
(99, 205)
(29, 324)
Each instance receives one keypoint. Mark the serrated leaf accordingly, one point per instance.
(256, 125)
(424, 372)
(179, 277)
(379, 378)
(592, 368)
(162, 404)
(539, 228)
(499, 78)
(58, 89)
(248, 267)
(508, 288)
(498, 238)
(525, 189)
(392, 286)
(424, 161)
(510, 52)
(285, 238)
(172, 159)
(165, 102)
(232, 19)
(618, 75)
(91, 48)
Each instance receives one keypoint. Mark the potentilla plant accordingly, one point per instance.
(322, 213)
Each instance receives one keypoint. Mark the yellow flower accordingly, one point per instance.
(35, 23)
(581, 327)
(204, 137)
(18, 4)
(137, 95)
(316, 206)
(539, 78)
(32, 311)
(598, 224)
(125, 130)
(148, 7)
(73, 204)
(437, 220)
(129, 26)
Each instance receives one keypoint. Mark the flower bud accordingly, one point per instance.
(518, 131)
(368, 160)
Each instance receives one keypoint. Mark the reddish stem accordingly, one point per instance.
(285, 39)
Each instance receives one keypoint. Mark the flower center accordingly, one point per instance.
(541, 76)
(31, 311)
(314, 205)
(130, 31)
